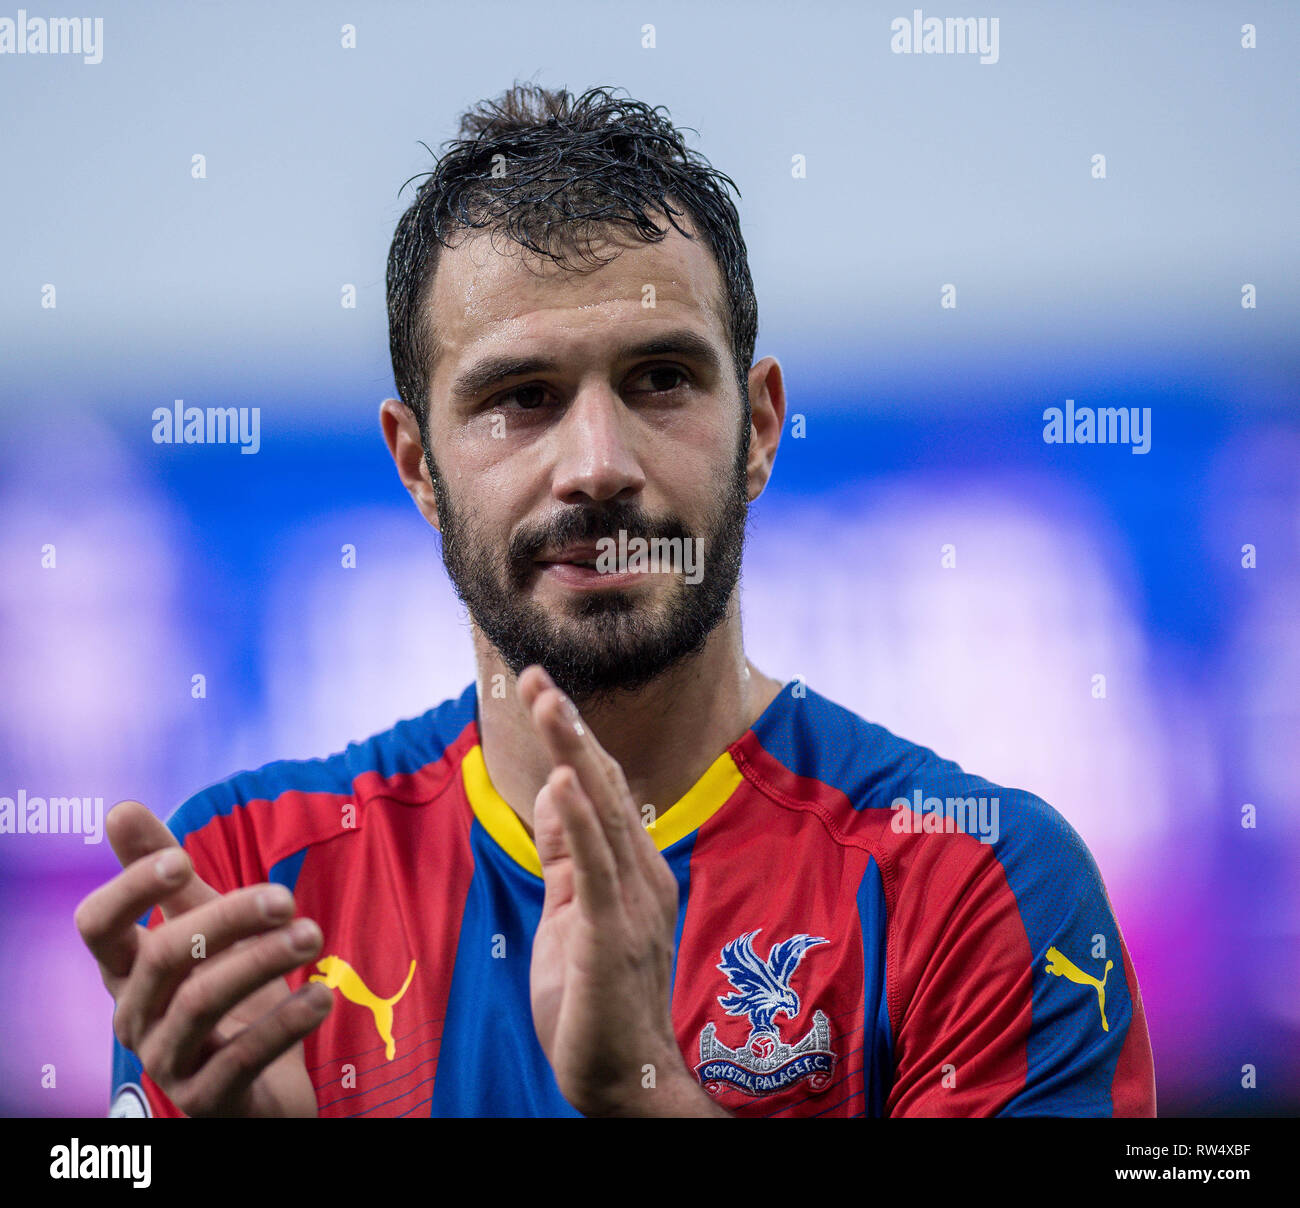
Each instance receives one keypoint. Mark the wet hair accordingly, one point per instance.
(557, 175)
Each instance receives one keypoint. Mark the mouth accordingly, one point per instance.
(574, 567)
(571, 555)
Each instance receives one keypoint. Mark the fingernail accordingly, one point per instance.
(570, 709)
(302, 934)
(274, 903)
(319, 996)
(170, 865)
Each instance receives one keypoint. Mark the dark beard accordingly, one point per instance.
(609, 641)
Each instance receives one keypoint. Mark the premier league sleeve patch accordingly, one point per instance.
(129, 1102)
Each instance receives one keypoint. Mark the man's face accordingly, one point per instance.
(554, 422)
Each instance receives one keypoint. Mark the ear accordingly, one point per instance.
(402, 436)
(767, 415)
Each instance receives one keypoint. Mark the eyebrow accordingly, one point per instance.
(491, 370)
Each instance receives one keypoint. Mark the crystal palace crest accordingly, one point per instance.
(765, 1063)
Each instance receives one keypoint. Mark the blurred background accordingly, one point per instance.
(922, 428)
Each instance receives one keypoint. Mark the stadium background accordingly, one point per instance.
(923, 428)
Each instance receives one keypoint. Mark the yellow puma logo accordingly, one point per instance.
(337, 974)
(1063, 966)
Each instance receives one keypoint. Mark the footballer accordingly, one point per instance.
(625, 872)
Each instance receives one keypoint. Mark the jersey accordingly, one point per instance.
(863, 929)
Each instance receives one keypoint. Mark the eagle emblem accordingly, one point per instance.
(761, 991)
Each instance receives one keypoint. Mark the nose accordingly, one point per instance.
(596, 458)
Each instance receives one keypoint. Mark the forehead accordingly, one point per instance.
(489, 291)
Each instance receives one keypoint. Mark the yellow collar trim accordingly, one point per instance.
(702, 800)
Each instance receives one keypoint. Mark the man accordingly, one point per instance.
(626, 872)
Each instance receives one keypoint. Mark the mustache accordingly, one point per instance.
(584, 523)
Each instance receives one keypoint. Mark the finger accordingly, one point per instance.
(548, 830)
(574, 736)
(232, 1069)
(595, 871)
(560, 722)
(106, 918)
(571, 743)
(134, 831)
(649, 859)
(180, 1041)
(533, 681)
(166, 955)
(631, 842)
(553, 852)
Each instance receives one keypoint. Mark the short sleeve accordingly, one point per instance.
(1014, 991)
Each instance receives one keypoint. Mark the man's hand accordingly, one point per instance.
(221, 1034)
(603, 953)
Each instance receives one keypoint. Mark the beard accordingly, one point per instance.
(606, 641)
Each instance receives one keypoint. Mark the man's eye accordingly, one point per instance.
(662, 378)
(528, 398)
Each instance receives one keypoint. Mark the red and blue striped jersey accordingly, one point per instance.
(863, 929)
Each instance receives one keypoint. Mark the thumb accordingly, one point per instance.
(135, 831)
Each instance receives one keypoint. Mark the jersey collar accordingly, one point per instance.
(702, 800)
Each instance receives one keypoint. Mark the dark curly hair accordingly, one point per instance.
(575, 166)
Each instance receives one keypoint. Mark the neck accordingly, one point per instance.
(664, 736)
